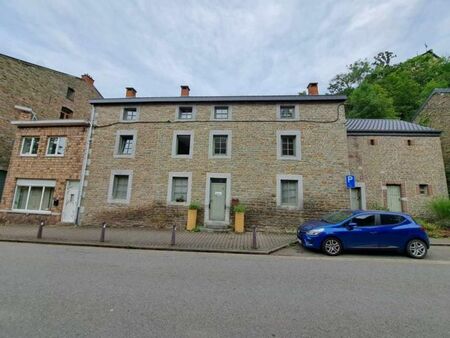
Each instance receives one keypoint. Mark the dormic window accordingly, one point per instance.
(289, 193)
(179, 189)
(66, 113)
(33, 195)
(221, 113)
(423, 189)
(288, 145)
(182, 144)
(29, 146)
(220, 144)
(126, 144)
(129, 114)
(56, 146)
(185, 113)
(287, 112)
(70, 93)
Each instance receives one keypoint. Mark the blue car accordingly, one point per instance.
(359, 229)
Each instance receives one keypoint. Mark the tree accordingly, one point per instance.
(383, 59)
(371, 101)
(344, 83)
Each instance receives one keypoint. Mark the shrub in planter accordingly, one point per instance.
(192, 216)
(239, 211)
(239, 208)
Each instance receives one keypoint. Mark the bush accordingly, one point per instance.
(239, 208)
(432, 229)
(194, 206)
(440, 208)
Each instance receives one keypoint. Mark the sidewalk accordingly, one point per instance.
(142, 238)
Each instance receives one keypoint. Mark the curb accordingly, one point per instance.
(439, 244)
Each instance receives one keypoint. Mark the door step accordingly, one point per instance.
(215, 228)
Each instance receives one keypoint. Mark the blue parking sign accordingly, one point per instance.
(350, 181)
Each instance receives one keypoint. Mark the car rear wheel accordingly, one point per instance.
(332, 246)
(416, 248)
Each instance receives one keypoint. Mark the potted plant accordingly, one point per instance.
(239, 211)
(192, 216)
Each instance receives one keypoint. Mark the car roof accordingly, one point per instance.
(355, 212)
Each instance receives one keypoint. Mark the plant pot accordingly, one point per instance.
(192, 219)
(239, 222)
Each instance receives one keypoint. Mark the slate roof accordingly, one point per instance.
(435, 91)
(387, 127)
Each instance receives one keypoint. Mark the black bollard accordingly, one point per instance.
(102, 235)
(41, 226)
(254, 245)
(174, 227)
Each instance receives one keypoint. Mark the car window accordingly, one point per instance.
(387, 219)
(364, 220)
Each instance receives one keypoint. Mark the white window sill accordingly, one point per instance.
(49, 155)
(289, 207)
(128, 121)
(183, 204)
(182, 156)
(289, 158)
(29, 155)
(111, 201)
(31, 212)
(220, 157)
(123, 156)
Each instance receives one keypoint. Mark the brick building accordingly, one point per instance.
(44, 92)
(435, 113)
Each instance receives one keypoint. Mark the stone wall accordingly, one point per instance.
(253, 164)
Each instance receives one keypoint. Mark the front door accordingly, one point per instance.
(217, 199)
(356, 198)
(394, 202)
(69, 213)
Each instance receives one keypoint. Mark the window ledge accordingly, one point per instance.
(289, 158)
(183, 204)
(32, 212)
(29, 155)
(110, 201)
(123, 156)
(182, 156)
(47, 155)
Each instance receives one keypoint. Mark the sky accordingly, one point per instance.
(217, 47)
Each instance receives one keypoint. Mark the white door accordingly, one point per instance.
(217, 199)
(394, 201)
(69, 213)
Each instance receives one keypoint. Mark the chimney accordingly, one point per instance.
(131, 92)
(185, 90)
(88, 79)
(313, 88)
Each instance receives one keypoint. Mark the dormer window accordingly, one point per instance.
(287, 112)
(185, 113)
(66, 113)
(129, 114)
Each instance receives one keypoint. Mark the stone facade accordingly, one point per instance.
(42, 167)
(408, 161)
(43, 90)
(435, 113)
(253, 165)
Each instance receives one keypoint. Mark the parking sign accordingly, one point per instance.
(350, 181)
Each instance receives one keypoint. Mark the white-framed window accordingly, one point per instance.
(125, 143)
(288, 145)
(182, 144)
(179, 188)
(120, 186)
(56, 145)
(34, 196)
(288, 111)
(129, 114)
(220, 113)
(184, 113)
(290, 191)
(30, 145)
(220, 144)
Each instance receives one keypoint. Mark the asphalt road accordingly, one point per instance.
(59, 291)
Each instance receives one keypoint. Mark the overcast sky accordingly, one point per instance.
(217, 47)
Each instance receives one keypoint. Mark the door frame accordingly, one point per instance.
(226, 176)
(76, 201)
(362, 189)
(403, 199)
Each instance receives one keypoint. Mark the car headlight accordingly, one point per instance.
(315, 232)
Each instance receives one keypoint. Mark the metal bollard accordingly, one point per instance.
(174, 227)
(41, 226)
(254, 244)
(102, 235)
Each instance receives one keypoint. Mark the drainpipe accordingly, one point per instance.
(84, 167)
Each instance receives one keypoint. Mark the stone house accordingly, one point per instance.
(435, 113)
(43, 92)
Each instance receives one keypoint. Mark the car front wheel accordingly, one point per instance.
(416, 249)
(332, 247)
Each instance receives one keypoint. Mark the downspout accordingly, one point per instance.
(84, 167)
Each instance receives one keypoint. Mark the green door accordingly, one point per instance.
(394, 201)
(217, 199)
(356, 198)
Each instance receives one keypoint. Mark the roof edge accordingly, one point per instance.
(50, 123)
(422, 106)
(435, 133)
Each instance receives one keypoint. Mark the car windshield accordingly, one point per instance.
(337, 217)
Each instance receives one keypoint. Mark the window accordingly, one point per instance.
(66, 113)
(56, 146)
(409, 142)
(34, 195)
(387, 219)
(288, 144)
(290, 191)
(221, 113)
(70, 93)
(129, 114)
(185, 113)
(30, 146)
(220, 144)
(179, 190)
(364, 220)
(287, 112)
(372, 142)
(182, 144)
(125, 143)
(424, 189)
(120, 186)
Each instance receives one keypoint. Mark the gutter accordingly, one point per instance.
(395, 133)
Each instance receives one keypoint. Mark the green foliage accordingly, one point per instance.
(378, 207)
(371, 101)
(194, 206)
(344, 83)
(239, 208)
(440, 208)
(433, 230)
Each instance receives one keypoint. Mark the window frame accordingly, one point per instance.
(177, 112)
(427, 189)
(298, 150)
(213, 133)
(70, 94)
(173, 175)
(296, 116)
(120, 133)
(213, 113)
(175, 143)
(31, 147)
(114, 173)
(122, 111)
(48, 146)
(299, 179)
(33, 183)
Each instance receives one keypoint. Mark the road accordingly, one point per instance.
(62, 291)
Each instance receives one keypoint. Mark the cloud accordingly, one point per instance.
(217, 47)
